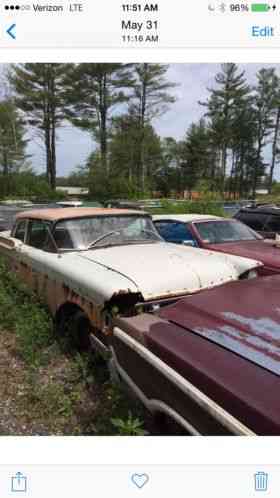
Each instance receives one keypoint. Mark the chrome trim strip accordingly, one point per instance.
(207, 404)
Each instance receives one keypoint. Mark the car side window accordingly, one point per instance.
(273, 224)
(162, 228)
(38, 234)
(20, 230)
(172, 231)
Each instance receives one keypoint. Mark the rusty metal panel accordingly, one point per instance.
(241, 387)
(55, 214)
(242, 317)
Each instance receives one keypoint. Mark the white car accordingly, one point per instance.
(97, 258)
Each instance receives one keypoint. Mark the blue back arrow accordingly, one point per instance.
(10, 31)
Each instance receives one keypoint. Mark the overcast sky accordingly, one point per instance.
(193, 80)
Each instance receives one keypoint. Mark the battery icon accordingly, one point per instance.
(260, 7)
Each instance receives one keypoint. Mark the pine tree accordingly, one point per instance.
(123, 149)
(93, 93)
(150, 100)
(12, 143)
(39, 94)
(221, 108)
(243, 148)
(276, 133)
(168, 176)
(264, 106)
(194, 152)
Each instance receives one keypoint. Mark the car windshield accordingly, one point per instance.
(219, 232)
(102, 231)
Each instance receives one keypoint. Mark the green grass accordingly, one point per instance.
(46, 390)
(23, 314)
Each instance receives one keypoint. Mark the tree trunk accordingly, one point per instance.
(47, 126)
(47, 133)
(103, 123)
(232, 176)
(274, 151)
(224, 168)
(142, 117)
(241, 175)
(53, 136)
(256, 170)
(53, 158)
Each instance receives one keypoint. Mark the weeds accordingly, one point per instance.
(48, 391)
(21, 313)
(130, 427)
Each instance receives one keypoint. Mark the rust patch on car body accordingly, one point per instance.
(6, 243)
(237, 317)
(71, 213)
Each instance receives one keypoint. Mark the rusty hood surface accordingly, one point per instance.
(242, 317)
(162, 270)
(269, 254)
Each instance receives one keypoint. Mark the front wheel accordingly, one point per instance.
(73, 331)
(79, 332)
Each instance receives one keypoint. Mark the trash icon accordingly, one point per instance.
(261, 481)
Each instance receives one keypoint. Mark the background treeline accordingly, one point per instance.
(232, 150)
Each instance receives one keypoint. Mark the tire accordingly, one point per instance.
(73, 331)
(79, 332)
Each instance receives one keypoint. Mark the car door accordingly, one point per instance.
(32, 267)
(176, 232)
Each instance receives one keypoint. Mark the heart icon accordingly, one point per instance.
(140, 480)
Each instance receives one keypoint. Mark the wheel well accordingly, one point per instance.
(66, 309)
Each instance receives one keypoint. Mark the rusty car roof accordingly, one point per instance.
(70, 213)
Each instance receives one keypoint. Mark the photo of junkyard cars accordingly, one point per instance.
(134, 300)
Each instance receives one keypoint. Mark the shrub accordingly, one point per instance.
(205, 206)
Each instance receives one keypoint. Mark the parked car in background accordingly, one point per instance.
(264, 219)
(9, 210)
(111, 283)
(224, 235)
(66, 204)
(122, 204)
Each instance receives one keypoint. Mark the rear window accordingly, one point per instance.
(20, 229)
(38, 234)
(220, 232)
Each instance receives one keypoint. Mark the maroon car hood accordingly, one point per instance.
(242, 317)
(226, 342)
(255, 249)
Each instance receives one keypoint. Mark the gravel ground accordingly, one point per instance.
(50, 400)
(61, 398)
